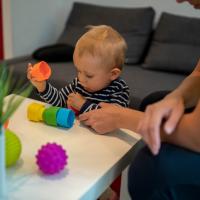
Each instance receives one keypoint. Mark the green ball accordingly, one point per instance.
(13, 148)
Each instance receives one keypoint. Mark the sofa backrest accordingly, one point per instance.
(175, 46)
(135, 25)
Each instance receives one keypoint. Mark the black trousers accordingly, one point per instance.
(173, 174)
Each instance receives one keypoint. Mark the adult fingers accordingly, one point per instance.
(180, 1)
(154, 132)
(91, 123)
(99, 128)
(104, 105)
(143, 129)
(84, 116)
(195, 3)
(197, 6)
(173, 119)
(149, 128)
(88, 122)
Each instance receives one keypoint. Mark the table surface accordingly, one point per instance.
(94, 160)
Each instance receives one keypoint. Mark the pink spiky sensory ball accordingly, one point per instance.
(51, 158)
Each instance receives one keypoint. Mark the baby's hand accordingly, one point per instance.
(40, 85)
(76, 100)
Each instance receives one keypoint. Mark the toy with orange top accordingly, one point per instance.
(41, 71)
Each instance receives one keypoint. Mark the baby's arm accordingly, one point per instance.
(89, 105)
(57, 97)
(120, 98)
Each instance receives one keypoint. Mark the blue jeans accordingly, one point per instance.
(173, 174)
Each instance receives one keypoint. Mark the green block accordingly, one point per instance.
(49, 115)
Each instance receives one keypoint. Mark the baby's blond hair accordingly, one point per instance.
(105, 42)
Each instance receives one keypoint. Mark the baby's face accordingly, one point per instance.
(91, 74)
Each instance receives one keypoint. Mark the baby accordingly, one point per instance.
(98, 57)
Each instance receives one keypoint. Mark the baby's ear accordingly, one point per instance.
(115, 73)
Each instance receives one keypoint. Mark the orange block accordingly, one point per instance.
(6, 124)
(41, 71)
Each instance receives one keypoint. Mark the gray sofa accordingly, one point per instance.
(157, 59)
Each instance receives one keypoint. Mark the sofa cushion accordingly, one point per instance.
(176, 44)
(54, 53)
(135, 25)
(143, 82)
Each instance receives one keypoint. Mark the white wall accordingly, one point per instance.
(34, 23)
(7, 29)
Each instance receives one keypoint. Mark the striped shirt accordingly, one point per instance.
(117, 92)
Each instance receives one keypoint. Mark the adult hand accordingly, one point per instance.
(102, 120)
(163, 114)
(75, 100)
(40, 85)
(195, 3)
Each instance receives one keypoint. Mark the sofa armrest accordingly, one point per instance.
(15, 60)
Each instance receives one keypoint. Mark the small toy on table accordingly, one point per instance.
(41, 71)
(35, 112)
(54, 116)
(51, 158)
(65, 117)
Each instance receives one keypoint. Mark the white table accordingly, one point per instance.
(94, 160)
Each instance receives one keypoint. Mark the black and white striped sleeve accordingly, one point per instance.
(57, 97)
(116, 93)
(121, 95)
(89, 105)
(121, 98)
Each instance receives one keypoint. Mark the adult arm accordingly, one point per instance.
(195, 3)
(187, 132)
(149, 124)
(169, 111)
(189, 89)
(111, 117)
